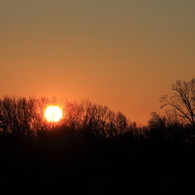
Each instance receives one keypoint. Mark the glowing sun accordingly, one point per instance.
(53, 114)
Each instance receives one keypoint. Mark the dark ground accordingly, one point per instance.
(91, 165)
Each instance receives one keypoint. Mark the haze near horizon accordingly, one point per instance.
(122, 54)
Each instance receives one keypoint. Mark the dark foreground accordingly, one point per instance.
(90, 165)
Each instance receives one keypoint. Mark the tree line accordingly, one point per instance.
(93, 150)
(24, 117)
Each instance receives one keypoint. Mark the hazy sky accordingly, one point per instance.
(121, 53)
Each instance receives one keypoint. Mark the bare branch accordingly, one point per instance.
(183, 100)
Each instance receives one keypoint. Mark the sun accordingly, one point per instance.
(53, 113)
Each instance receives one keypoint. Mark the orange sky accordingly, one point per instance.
(123, 54)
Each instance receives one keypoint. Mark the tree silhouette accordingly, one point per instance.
(15, 116)
(157, 121)
(91, 149)
(182, 101)
(25, 116)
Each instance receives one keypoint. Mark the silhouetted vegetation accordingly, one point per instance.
(93, 150)
(182, 101)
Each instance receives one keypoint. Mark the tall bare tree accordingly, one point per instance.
(182, 101)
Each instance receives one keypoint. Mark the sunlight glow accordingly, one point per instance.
(53, 114)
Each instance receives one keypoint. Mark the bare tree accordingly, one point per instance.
(157, 121)
(182, 101)
(22, 116)
(15, 115)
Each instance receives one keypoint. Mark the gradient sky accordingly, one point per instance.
(120, 53)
